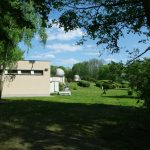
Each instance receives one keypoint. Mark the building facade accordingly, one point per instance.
(27, 78)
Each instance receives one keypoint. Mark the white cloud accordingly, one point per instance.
(90, 46)
(56, 33)
(43, 56)
(63, 47)
(92, 53)
(110, 59)
(69, 61)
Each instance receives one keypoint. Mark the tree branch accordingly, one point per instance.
(106, 4)
(138, 56)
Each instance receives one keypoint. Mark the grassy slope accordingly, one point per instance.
(81, 121)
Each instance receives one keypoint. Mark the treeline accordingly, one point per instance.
(136, 74)
(93, 70)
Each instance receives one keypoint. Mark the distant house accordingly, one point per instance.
(27, 78)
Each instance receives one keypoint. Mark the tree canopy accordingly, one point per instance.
(106, 21)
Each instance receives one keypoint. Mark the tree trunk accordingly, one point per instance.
(2, 82)
(146, 4)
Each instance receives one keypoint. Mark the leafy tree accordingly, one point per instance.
(81, 69)
(106, 21)
(53, 70)
(20, 20)
(116, 71)
(139, 77)
(11, 58)
(104, 72)
(87, 70)
(93, 68)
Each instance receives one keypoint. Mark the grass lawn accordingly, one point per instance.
(84, 121)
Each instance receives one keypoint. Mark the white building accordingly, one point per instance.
(27, 78)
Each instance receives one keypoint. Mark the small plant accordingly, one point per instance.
(74, 88)
(83, 83)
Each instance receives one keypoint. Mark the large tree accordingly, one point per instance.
(19, 21)
(107, 20)
(138, 73)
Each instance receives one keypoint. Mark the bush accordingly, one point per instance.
(61, 86)
(117, 85)
(130, 92)
(74, 88)
(125, 84)
(83, 83)
(107, 84)
(98, 83)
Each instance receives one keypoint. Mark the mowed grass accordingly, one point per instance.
(84, 121)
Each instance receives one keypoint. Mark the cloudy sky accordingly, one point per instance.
(61, 48)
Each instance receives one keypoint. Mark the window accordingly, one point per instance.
(12, 71)
(38, 72)
(26, 72)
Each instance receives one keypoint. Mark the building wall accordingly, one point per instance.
(23, 84)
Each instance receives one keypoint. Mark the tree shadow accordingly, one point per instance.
(43, 125)
(121, 96)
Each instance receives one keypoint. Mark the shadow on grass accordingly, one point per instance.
(122, 96)
(43, 125)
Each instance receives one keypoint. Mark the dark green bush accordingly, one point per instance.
(98, 83)
(130, 92)
(83, 83)
(107, 84)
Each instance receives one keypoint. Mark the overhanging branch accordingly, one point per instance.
(138, 56)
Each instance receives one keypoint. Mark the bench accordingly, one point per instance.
(65, 93)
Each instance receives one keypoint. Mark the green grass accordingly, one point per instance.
(84, 121)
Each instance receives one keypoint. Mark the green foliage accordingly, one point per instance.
(130, 92)
(74, 87)
(53, 70)
(106, 20)
(83, 83)
(107, 84)
(138, 74)
(125, 84)
(20, 21)
(61, 86)
(112, 71)
(87, 70)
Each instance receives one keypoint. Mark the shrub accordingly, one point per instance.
(61, 86)
(83, 83)
(130, 92)
(74, 88)
(107, 84)
(98, 83)
(125, 84)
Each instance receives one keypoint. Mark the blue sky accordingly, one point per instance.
(61, 48)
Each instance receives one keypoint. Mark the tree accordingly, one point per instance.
(139, 77)
(88, 70)
(20, 20)
(107, 20)
(112, 71)
(81, 69)
(8, 59)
